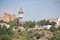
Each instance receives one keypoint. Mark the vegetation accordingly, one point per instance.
(28, 33)
(53, 29)
(45, 22)
(58, 28)
(5, 34)
(29, 24)
(56, 33)
(56, 36)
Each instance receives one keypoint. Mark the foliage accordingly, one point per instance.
(53, 29)
(39, 35)
(58, 28)
(45, 22)
(52, 23)
(29, 34)
(5, 34)
(14, 23)
(29, 24)
(56, 36)
(42, 22)
(5, 37)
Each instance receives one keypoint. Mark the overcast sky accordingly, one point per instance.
(33, 9)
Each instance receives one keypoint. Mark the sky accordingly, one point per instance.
(33, 9)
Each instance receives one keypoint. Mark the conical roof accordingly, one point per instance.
(21, 10)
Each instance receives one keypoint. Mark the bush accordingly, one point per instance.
(5, 37)
(56, 36)
(53, 29)
(58, 27)
(5, 34)
(39, 35)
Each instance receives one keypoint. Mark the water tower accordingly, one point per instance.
(20, 15)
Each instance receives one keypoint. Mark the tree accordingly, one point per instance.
(47, 22)
(52, 23)
(29, 24)
(14, 24)
(43, 22)
(16, 21)
(5, 37)
(40, 22)
(53, 29)
(5, 34)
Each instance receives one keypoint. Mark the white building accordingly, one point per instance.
(43, 27)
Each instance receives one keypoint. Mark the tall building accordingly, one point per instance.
(20, 15)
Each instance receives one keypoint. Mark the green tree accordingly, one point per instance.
(43, 22)
(29, 24)
(52, 23)
(16, 21)
(53, 29)
(14, 24)
(5, 34)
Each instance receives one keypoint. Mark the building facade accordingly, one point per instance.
(7, 17)
(57, 20)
